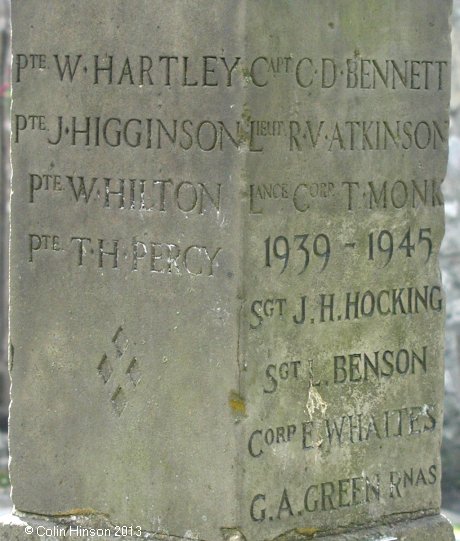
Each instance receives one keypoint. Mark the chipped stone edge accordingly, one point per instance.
(432, 527)
(25, 527)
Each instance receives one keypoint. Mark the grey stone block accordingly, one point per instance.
(226, 307)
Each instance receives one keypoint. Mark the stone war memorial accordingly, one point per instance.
(226, 316)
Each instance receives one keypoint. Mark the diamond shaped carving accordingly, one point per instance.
(119, 372)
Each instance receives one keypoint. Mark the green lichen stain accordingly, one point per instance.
(356, 23)
(246, 114)
(246, 74)
(244, 135)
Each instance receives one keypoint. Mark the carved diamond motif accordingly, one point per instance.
(119, 374)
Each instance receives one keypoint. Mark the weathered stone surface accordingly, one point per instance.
(227, 313)
(22, 528)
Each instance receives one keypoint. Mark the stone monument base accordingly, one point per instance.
(24, 527)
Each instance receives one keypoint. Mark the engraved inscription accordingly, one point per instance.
(305, 72)
(357, 367)
(210, 134)
(382, 246)
(128, 193)
(347, 306)
(351, 429)
(150, 256)
(330, 496)
(387, 195)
